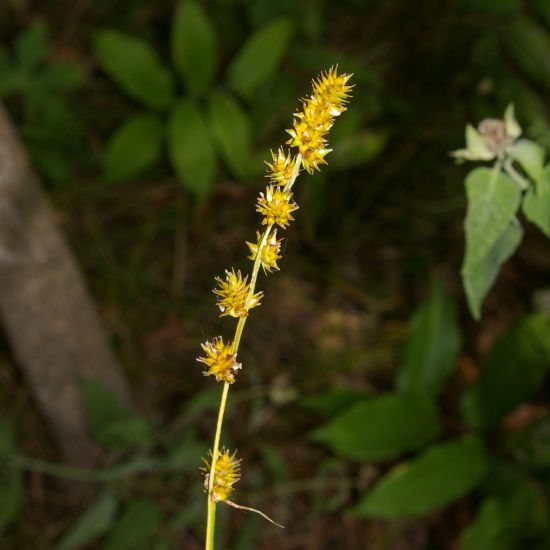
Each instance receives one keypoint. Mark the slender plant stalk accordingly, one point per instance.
(211, 510)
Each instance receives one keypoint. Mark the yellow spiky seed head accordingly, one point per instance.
(312, 123)
(270, 251)
(276, 205)
(232, 295)
(220, 360)
(281, 169)
(227, 473)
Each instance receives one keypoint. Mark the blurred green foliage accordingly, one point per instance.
(175, 106)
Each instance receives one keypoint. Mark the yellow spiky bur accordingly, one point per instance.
(220, 360)
(276, 205)
(226, 473)
(232, 295)
(269, 255)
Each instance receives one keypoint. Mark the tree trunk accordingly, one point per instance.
(50, 319)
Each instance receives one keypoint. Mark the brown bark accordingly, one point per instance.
(49, 317)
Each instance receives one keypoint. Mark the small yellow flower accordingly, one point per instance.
(270, 252)
(282, 167)
(312, 123)
(232, 295)
(276, 206)
(220, 360)
(227, 473)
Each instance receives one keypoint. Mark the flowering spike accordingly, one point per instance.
(312, 123)
(277, 206)
(220, 360)
(232, 295)
(226, 473)
(270, 251)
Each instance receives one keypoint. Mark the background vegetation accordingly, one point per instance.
(148, 123)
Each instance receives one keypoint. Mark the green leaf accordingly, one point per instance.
(488, 529)
(31, 47)
(510, 373)
(191, 148)
(135, 528)
(194, 45)
(93, 523)
(432, 345)
(536, 203)
(134, 146)
(530, 155)
(493, 200)
(381, 428)
(478, 278)
(443, 474)
(231, 129)
(135, 67)
(333, 401)
(110, 422)
(11, 499)
(259, 58)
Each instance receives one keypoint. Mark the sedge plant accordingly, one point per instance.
(236, 293)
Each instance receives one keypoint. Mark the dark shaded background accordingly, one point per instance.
(374, 228)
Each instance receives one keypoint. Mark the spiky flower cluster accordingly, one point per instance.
(312, 123)
(220, 360)
(226, 473)
(269, 253)
(233, 293)
(281, 169)
(277, 206)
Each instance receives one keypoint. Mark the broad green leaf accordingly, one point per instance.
(11, 499)
(93, 523)
(511, 372)
(514, 514)
(135, 67)
(333, 401)
(536, 203)
(135, 146)
(135, 528)
(528, 45)
(111, 423)
(530, 155)
(381, 428)
(478, 278)
(191, 148)
(231, 129)
(259, 58)
(31, 47)
(441, 475)
(432, 345)
(493, 200)
(488, 531)
(194, 45)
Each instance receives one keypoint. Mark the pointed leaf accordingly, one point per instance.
(259, 58)
(432, 345)
(443, 474)
(382, 427)
(191, 148)
(493, 200)
(194, 45)
(510, 373)
(536, 203)
(231, 129)
(488, 531)
(135, 67)
(478, 278)
(531, 157)
(93, 523)
(135, 146)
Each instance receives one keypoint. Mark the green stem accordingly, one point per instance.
(211, 510)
